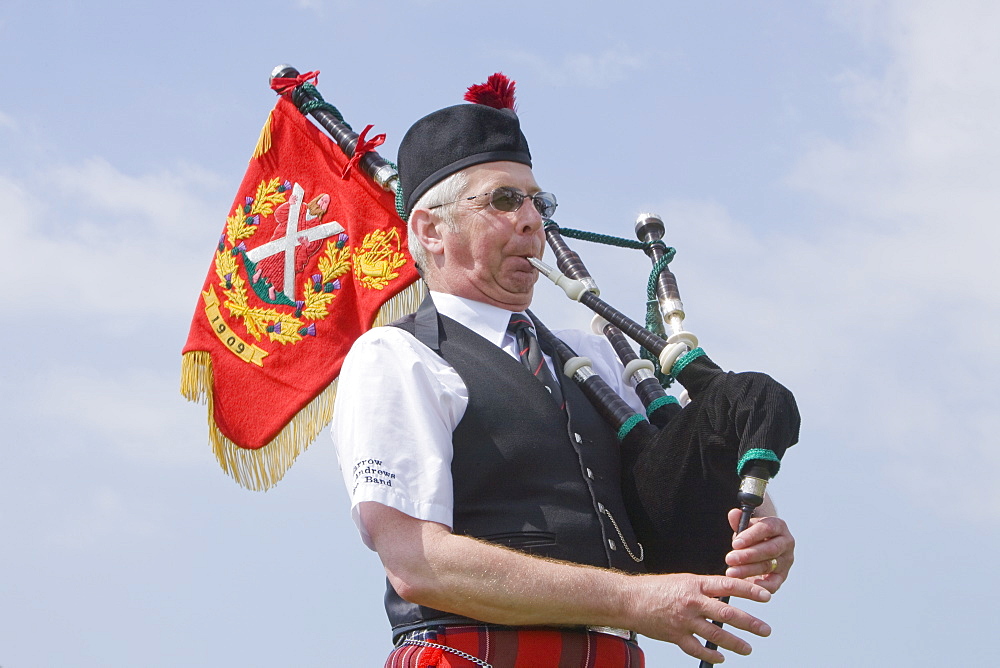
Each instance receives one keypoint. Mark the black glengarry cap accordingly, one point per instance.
(453, 138)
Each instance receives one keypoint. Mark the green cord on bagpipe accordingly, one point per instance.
(312, 100)
(654, 321)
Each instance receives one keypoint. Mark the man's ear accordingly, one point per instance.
(428, 229)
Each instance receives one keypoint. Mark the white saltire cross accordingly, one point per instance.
(288, 243)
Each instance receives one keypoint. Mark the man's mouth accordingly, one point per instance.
(527, 259)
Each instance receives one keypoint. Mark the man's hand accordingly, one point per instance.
(679, 607)
(763, 553)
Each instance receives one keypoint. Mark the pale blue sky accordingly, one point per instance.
(827, 171)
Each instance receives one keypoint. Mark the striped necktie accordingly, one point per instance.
(531, 355)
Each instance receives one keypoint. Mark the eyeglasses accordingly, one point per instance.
(508, 199)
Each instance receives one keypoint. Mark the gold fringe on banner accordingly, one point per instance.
(264, 141)
(407, 301)
(260, 469)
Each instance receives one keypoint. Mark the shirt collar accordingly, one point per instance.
(486, 320)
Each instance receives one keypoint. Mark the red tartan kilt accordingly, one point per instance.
(519, 648)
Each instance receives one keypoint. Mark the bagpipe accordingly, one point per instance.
(684, 467)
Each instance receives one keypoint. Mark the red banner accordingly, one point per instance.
(307, 261)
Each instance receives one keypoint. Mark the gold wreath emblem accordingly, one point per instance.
(279, 326)
(376, 262)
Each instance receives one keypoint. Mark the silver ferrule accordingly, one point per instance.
(671, 308)
(754, 486)
(583, 373)
(591, 285)
(641, 375)
(578, 368)
(387, 178)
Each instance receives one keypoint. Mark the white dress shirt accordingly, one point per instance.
(398, 403)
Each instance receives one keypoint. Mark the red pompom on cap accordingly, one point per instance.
(497, 92)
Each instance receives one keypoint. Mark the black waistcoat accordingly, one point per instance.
(524, 476)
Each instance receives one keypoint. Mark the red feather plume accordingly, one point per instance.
(497, 92)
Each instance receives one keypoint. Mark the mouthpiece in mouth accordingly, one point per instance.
(573, 288)
(539, 265)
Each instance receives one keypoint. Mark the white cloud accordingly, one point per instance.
(170, 201)
(911, 267)
(609, 66)
(134, 413)
(917, 189)
(104, 520)
(320, 7)
(91, 240)
(586, 69)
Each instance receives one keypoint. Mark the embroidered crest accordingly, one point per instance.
(376, 262)
(268, 287)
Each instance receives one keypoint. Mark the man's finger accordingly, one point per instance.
(722, 638)
(692, 646)
(717, 587)
(760, 530)
(733, 616)
(759, 567)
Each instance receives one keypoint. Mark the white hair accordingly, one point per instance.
(447, 190)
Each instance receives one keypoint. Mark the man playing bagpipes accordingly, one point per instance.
(487, 483)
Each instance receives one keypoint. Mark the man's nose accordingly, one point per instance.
(529, 220)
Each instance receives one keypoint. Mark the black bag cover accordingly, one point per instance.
(680, 482)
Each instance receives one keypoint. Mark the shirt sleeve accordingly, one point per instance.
(397, 405)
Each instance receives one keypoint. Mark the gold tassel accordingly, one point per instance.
(196, 376)
(263, 468)
(404, 303)
(264, 141)
(260, 469)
